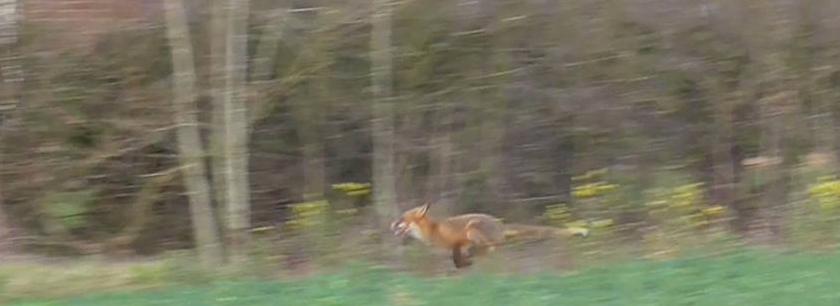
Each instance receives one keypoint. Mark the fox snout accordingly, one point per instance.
(399, 227)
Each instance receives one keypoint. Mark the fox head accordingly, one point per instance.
(409, 222)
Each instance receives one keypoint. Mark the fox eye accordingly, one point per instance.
(398, 224)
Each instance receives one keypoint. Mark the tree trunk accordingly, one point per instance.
(236, 129)
(310, 109)
(5, 233)
(835, 124)
(776, 190)
(443, 186)
(382, 119)
(565, 150)
(5, 227)
(314, 171)
(12, 73)
(190, 151)
(310, 130)
(218, 43)
(11, 69)
(268, 44)
(493, 127)
(307, 117)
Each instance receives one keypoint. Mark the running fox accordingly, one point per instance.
(469, 235)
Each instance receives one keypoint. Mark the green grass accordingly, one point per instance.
(743, 278)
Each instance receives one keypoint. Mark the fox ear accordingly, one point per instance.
(424, 209)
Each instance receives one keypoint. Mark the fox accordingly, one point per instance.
(471, 235)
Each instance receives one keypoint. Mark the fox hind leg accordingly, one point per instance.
(480, 244)
(474, 234)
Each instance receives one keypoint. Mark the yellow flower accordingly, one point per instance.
(714, 211)
(603, 223)
(576, 224)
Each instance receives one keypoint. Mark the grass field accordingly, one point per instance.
(743, 278)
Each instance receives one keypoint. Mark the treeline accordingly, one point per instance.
(517, 108)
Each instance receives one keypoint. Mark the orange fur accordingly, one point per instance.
(465, 235)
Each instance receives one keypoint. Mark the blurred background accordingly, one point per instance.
(163, 141)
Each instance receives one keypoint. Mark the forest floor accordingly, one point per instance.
(744, 277)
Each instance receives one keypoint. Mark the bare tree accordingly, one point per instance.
(268, 44)
(10, 63)
(382, 120)
(236, 128)
(190, 150)
(218, 75)
(12, 77)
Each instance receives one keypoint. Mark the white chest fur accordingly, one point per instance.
(415, 232)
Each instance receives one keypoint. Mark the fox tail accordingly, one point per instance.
(542, 232)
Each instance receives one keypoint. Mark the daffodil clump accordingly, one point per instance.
(308, 215)
(559, 215)
(681, 219)
(319, 225)
(316, 230)
(826, 194)
(353, 189)
(350, 197)
(683, 208)
(823, 214)
(593, 194)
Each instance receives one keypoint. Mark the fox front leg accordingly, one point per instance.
(459, 258)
